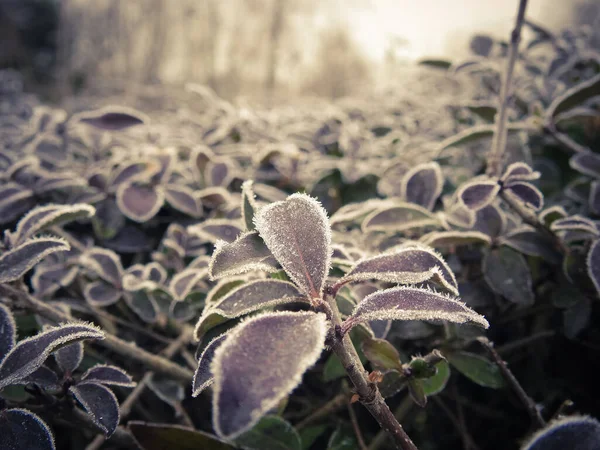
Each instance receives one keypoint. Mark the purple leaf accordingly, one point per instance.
(297, 232)
(100, 403)
(213, 197)
(101, 294)
(18, 261)
(519, 171)
(400, 217)
(586, 163)
(593, 264)
(214, 230)
(245, 299)
(527, 193)
(478, 194)
(409, 265)
(21, 429)
(110, 375)
(133, 171)
(443, 239)
(14, 201)
(576, 432)
(530, 242)
(184, 199)
(108, 220)
(144, 305)
(184, 282)
(594, 200)
(260, 362)
(44, 378)
(168, 390)
(247, 253)
(222, 288)
(380, 328)
(69, 357)
(549, 215)
(48, 279)
(410, 303)
(105, 263)
(508, 274)
(423, 184)
(139, 202)
(203, 377)
(44, 217)
(575, 223)
(459, 215)
(8, 331)
(490, 220)
(155, 272)
(30, 353)
(249, 205)
(219, 173)
(112, 118)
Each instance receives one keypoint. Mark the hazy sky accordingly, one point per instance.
(437, 27)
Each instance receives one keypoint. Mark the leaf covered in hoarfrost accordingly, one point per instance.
(18, 261)
(478, 194)
(455, 238)
(490, 220)
(21, 429)
(245, 299)
(575, 223)
(259, 363)
(411, 303)
(507, 273)
(69, 357)
(399, 217)
(527, 193)
(143, 304)
(105, 263)
(423, 184)
(203, 377)
(587, 163)
(140, 202)
(109, 375)
(577, 432)
(297, 232)
(519, 171)
(43, 217)
(100, 403)
(8, 331)
(214, 230)
(184, 282)
(410, 265)
(112, 118)
(184, 199)
(247, 253)
(249, 205)
(99, 293)
(47, 279)
(530, 242)
(593, 264)
(550, 215)
(29, 354)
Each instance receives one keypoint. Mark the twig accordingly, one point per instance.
(367, 391)
(400, 412)
(126, 349)
(529, 404)
(495, 159)
(356, 427)
(327, 409)
(507, 348)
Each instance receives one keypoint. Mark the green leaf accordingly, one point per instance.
(381, 354)
(436, 384)
(342, 439)
(477, 369)
(486, 112)
(507, 273)
(163, 437)
(417, 392)
(272, 432)
(574, 97)
(479, 132)
(310, 434)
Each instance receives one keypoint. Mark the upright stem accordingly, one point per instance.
(495, 159)
(368, 393)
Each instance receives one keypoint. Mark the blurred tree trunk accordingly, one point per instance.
(158, 13)
(277, 25)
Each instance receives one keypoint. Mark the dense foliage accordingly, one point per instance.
(242, 266)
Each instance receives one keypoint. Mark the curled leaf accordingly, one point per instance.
(69, 357)
(527, 193)
(203, 377)
(399, 217)
(112, 118)
(140, 202)
(18, 261)
(478, 194)
(249, 205)
(443, 239)
(109, 375)
(8, 331)
(423, 184)
(100, 403)
(21, 429)
(519, 171)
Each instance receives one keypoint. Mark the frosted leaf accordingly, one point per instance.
(405, 266)
(260, 362)
(508, 274)
(46, 280)
(203, 377)
(247, 253)
(29, 354)
(219, 173)
(297, 233)
(109, 375)
(133, 171)
(249, 205)
(112, 118)
(410, 303)
(155, 272)
(69, 357)
(143, 304)
(43, 217)
(17, 262)
(21, 429)
(530, 242)
(423, 184)
(101, 294)
(184, 199)
(8, 331)
(519, 171)
(100, 403)
(43, 377)
(15, 200)
(527, 193)
(168, 390)
(478, 194)
(576, 432)
(214, 197)
(400, 217)
(222, 288)
(594, 199)
(593, 264)
(575, 223)
(442, 239)
(105, 263)
(184, 282)
(490, 220)
(247, 298)
(356, 212)
(459, 215)
(214, 230)
(140, 202)
(549, 215)
(587, 163)
(269, 193)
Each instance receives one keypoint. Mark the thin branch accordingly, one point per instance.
(356, 427)
(126, 349)
(527, 401)
(495, 159)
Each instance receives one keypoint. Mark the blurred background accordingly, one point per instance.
(257, 49)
